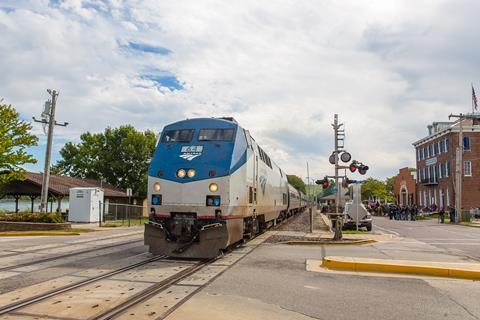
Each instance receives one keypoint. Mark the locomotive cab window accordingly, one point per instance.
(216, 134)
(177, 135)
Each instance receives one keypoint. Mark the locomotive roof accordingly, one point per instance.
(203, 122)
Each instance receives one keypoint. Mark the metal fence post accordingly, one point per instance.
(99, 213)
(129, 211)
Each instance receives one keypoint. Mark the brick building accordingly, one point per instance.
(405, 187)
(436, 160)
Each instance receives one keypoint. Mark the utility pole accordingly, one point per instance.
(48, 119)
(459, 164)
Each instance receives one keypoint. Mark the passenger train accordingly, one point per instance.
(210, 185)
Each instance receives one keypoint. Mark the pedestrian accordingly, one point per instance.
(414, 212)
(441, 215)
(453, 214)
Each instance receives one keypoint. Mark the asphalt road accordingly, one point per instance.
(454, 239)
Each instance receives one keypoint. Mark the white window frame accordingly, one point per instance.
(467, 164)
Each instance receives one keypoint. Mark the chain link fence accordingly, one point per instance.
(119, 214)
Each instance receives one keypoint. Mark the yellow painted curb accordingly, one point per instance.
(436, 269)
(328, 242)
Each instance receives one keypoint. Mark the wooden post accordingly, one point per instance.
(16, 203)
(32, 198)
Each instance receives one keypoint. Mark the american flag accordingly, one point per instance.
(474, 99)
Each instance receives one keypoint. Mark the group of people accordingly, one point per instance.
(401, 212)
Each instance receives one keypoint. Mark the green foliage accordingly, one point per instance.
(33, 217)
(328, 191)
(118, 155)
(297, 182)
(373, 188)
(15, 137)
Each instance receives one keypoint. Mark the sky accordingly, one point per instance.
(281, 68)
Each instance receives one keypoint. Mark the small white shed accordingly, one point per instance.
(85, 204)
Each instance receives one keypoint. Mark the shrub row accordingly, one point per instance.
(32, 217)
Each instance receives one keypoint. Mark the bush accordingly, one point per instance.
(32, 217)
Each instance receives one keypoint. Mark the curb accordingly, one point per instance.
(328, 242)
(470, 225)
(398, 266)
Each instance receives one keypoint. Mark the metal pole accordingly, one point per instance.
(458, 202)
(46, 171)
(338, 223)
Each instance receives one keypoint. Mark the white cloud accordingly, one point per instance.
(388, 68)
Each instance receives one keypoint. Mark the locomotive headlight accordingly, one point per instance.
(181, 173)
(191, 173)
(213, 187)
(156, 186)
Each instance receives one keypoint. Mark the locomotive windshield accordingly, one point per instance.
(177, 135)
(216, 134)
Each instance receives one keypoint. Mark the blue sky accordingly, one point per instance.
(388, 68)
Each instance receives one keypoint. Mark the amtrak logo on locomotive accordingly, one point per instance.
(191, 152)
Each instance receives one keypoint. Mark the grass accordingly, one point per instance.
(354, 232)
(124, 223)
(68, 232)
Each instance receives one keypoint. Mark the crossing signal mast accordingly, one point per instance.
(339, 153)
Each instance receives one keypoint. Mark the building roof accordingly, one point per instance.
(59, 186)
(438, 129)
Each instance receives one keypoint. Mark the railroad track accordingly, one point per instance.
(152, 291)
(123, 308)
(119, 309)
(57, 257)
(74, 243)
(38, 298)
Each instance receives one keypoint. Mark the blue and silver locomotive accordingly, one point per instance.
(210, 185)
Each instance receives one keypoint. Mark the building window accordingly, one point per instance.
(440, 169)
(467, 168)
(418, 155)
(447, 169)
(466, 143)
(446, 145)
(442, 146)
(435, 149)
(428, 152)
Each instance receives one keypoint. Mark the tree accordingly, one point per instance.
(390, 184)
(15, 137)
(373, 188)
(297, 183)
(119, 156)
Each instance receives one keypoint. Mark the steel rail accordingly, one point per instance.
(67, 255)
(14, 253)
(37, 298)
(151, 291)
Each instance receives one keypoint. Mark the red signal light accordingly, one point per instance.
(211, 173)
(353, 167)
(363, 169)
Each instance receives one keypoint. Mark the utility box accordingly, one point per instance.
(85, 204)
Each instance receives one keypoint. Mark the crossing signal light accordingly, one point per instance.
(346, 182)
(324, 182)
(353, 167)
(363, 169)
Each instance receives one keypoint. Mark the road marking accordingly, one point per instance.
(387, 230)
